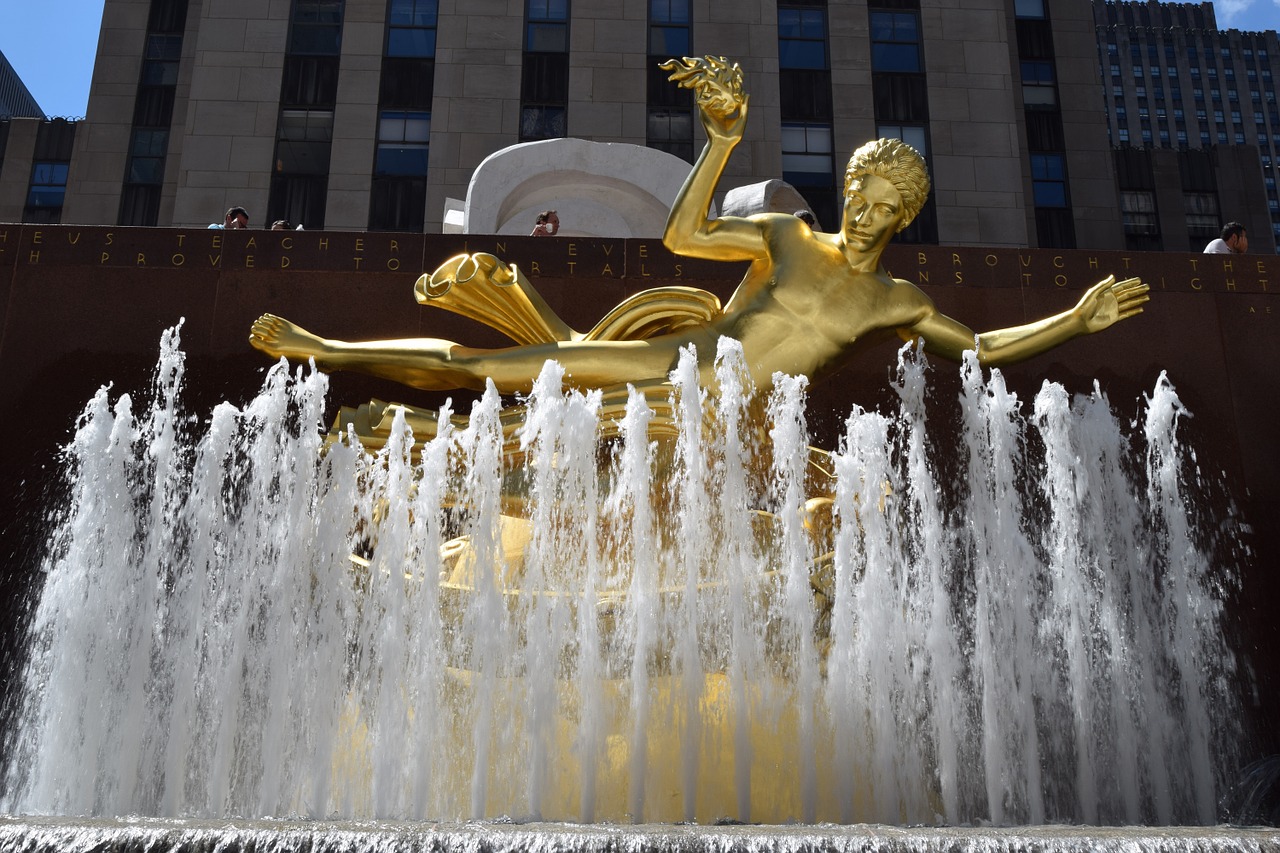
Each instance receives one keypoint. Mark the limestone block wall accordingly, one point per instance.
(229, 135)
(102, 140)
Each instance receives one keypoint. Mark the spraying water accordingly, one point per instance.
(244, 622)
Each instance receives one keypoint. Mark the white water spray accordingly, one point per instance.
(244, 623)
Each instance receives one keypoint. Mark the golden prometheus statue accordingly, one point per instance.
(807, 299)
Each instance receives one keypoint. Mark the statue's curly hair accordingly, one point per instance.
(899, 164)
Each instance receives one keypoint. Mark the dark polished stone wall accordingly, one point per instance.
(84, 306)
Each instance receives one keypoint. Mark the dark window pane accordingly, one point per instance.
(402, 160)
(299, 199)
(545, 79)
(547, 38)
(154, 107)
(149, 143)
(45, 196)
(668, 41)
(164, 47)
(542, 123)
(156, 73)
(298, 157)
(411, 42)
(310, 81)
(316, 39)
(900, 97)
(146, 170)
(407, 83)
(669, 11)
(413, 13)
(895, 57)
(801, 54)
(1054, 228)
(139, 205)
(166, 16)
(805, 94)
(1050, 194)
(398, 204)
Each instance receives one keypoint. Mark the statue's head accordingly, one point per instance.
(899, 164)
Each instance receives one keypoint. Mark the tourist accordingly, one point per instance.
(807, 298)
(236, 217)
(807, 218)
(281, 225)
(1233, 241)
(548, 224)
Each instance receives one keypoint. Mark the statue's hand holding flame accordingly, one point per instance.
(717, 90)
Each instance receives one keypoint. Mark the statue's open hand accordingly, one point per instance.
(277, 337)
(1110, 301)
(717, 89)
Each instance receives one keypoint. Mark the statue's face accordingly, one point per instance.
(872, 213)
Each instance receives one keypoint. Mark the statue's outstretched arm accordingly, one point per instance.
(722, 107)
(1106, 303)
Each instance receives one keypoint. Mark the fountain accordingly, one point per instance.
(652, 603)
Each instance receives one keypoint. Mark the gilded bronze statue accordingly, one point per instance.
(807, 301)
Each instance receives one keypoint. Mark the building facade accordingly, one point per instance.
(1192, 112)
(373, 114)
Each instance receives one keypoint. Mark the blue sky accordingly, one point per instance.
(51, 43)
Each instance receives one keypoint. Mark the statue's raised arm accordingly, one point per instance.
(722, 107)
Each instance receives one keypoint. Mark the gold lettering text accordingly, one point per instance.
(955, 260)
(248, 262)
(992, 260)
(573, 249)
(252, 244)
(177, 260)
(286, 243)
(284, 262)
(608, 270)
(571, 264)
(959, 277)
(1057, 261)
(34, 258)
(105, 257)
(922, 277)
(644, 251)
(37, 238)
(1060, 280)
(533, 268)
(73, 239)
(393, 264)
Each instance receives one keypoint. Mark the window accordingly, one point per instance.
(806, 154)
(913, 136)
(1032, 9)
(303, 142)
(1049, 182)
(802, 37)
(411, 28)
(1202, 215)
(547, 26)
(1139, 211)
(48, 185)
(669, 28)
(895, 41)
(671, 131)
(544, 89)
(807, 164)
(1038, 84)
(403, 140)
(317, 27)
